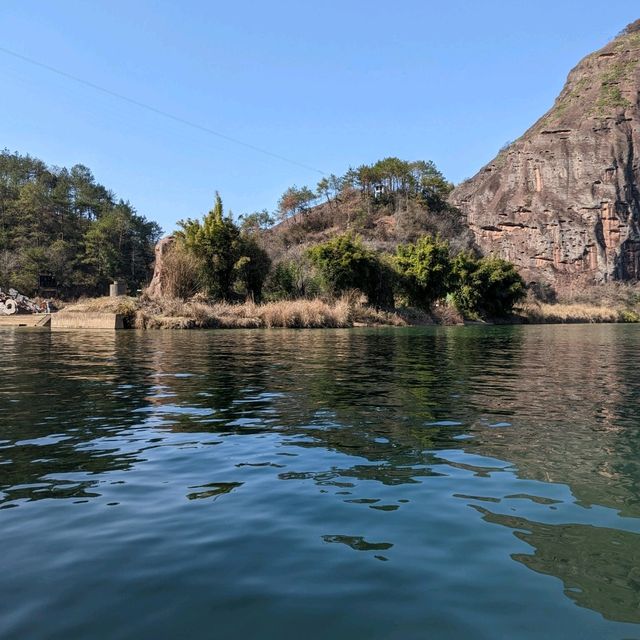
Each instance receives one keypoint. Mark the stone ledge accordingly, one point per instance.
(86, 320)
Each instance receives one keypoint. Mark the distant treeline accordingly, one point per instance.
(61, 222)
(388, 182)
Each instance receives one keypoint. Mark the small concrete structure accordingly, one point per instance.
(82, 320)
(26, 320)
(118, 288)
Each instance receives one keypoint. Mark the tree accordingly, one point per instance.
(345, 263)
(424, 270)
(294, 201)
(216, 243)
(63, 222)
(485, 287)
(256, 221)
(430, 184)
(225, 255)
(253, 267)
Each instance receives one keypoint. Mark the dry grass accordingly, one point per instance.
(305, 313)
(124, 305)
(348, 311)
(181, 272)
(575, 313)
(173, 313)
(610, 294)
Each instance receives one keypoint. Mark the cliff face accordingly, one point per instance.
(563, 201)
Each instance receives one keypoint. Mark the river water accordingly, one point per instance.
(464, 482)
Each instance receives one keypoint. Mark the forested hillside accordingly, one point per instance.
(386, 203)
(62, 222)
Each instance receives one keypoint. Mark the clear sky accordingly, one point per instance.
(327, 84)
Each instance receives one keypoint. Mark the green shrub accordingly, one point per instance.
(292, 280)
(253, 267)
(283, 281)
(345, 263)
(225, 255)
(216, 243)
(629, 315)
(423, 270)
(486, 286)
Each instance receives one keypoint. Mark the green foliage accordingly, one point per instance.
(486, 286)
(224, 254)
(256, 221)
(387, 182)
(345, 263)
(395, 180)
(62, 222)
(216, 243)
(629, 315)
(294, 201)
(253, 267)
(424, 270)
(284, 281)
(293, 279)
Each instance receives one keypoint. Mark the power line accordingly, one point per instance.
(159, 112)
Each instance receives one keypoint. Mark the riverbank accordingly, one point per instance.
(577, 313)
(168, 313)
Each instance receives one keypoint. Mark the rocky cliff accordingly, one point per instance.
(563, 201)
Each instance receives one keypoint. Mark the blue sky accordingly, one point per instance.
(327, 84)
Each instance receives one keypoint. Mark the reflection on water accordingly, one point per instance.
(494, 470)
(600, 567)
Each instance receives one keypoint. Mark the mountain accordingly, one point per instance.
(563, 201)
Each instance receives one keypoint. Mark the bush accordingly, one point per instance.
(423, 270)
(284, 281)
(216, 243)
(486, 286)
(183, 273)
(292, 280)
(628, 315)
(225, 256)
(253, 267)
(345, 263)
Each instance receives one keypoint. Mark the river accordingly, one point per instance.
(449, 482)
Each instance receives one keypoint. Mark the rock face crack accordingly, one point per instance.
(563, 201)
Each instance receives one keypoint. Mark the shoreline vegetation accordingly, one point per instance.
(378, 246)
(348, 311)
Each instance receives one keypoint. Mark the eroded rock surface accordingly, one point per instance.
(157, 286)
(563, 201)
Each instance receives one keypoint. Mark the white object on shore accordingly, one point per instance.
(9, 307)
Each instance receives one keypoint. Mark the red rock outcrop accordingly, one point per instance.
(563, 201)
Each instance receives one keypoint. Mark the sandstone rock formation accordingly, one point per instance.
(563, 201)
(158, 284)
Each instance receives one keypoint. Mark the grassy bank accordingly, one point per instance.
(568, 313)
(171, 313)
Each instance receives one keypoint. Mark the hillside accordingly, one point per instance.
(62, 225)
(387, 203)
(563, 201)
